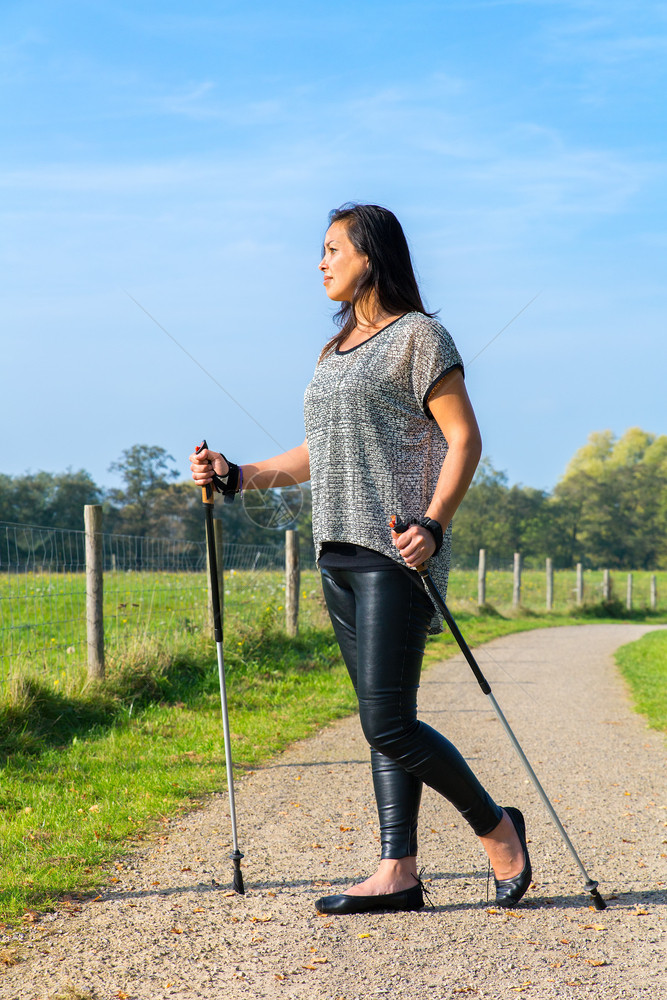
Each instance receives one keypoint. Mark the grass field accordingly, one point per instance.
(644, 666)
(43, 615)
(87, 772)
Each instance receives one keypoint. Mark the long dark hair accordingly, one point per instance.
(389, 278)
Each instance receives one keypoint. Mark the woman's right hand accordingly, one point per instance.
(204, 463)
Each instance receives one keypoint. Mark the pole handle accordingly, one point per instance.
(207, 493)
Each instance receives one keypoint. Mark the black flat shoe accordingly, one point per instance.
(407, 899)
(510, 890)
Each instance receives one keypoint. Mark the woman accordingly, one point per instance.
(389, 430)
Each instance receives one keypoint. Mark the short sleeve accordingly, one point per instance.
(434, 355)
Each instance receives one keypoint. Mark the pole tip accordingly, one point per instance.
(598, 901)
(238, 882)
(238, 874)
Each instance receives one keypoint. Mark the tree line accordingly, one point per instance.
(608, 510)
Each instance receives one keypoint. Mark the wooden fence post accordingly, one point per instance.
(654, 592)
(628, 593)
(516, 587)
(606, 585)
(550, 584)
(92, 518)
(481, 579)
(292, 581)
(580, 584)
(219, 559)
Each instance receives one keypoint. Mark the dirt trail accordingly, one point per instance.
(307, 826)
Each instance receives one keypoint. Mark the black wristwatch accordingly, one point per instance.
(431, 525)
(436, 530)
(231, 483)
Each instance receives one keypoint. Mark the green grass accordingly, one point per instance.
(42, 615)
(83, 778)
(86, 772)
(644, 666)
(463, 588)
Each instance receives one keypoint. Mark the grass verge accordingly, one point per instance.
(644, 665)
(89, 773)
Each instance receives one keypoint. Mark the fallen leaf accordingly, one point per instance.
(176, 930)
(597, 961)
(321, 960)
(363, 935)
(186, 869)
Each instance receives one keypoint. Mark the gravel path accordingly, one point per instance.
(307, 823)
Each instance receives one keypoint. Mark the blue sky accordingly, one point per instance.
(189, 157)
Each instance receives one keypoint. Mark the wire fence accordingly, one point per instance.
(149, 583)
(159, 585)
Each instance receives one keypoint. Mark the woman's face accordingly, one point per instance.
(342, 264)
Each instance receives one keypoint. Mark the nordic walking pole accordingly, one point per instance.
(591, 884)
(208, 502)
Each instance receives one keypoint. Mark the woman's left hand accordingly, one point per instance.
(415, 544)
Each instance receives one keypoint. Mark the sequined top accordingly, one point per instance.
(375, 449)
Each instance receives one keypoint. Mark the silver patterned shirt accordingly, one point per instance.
(375, 449)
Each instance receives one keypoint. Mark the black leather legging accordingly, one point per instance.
(381, 619)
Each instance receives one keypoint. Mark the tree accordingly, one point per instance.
(481, 520)
(48, 500)
(613, 493)
(146, 474)
(71, 492)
